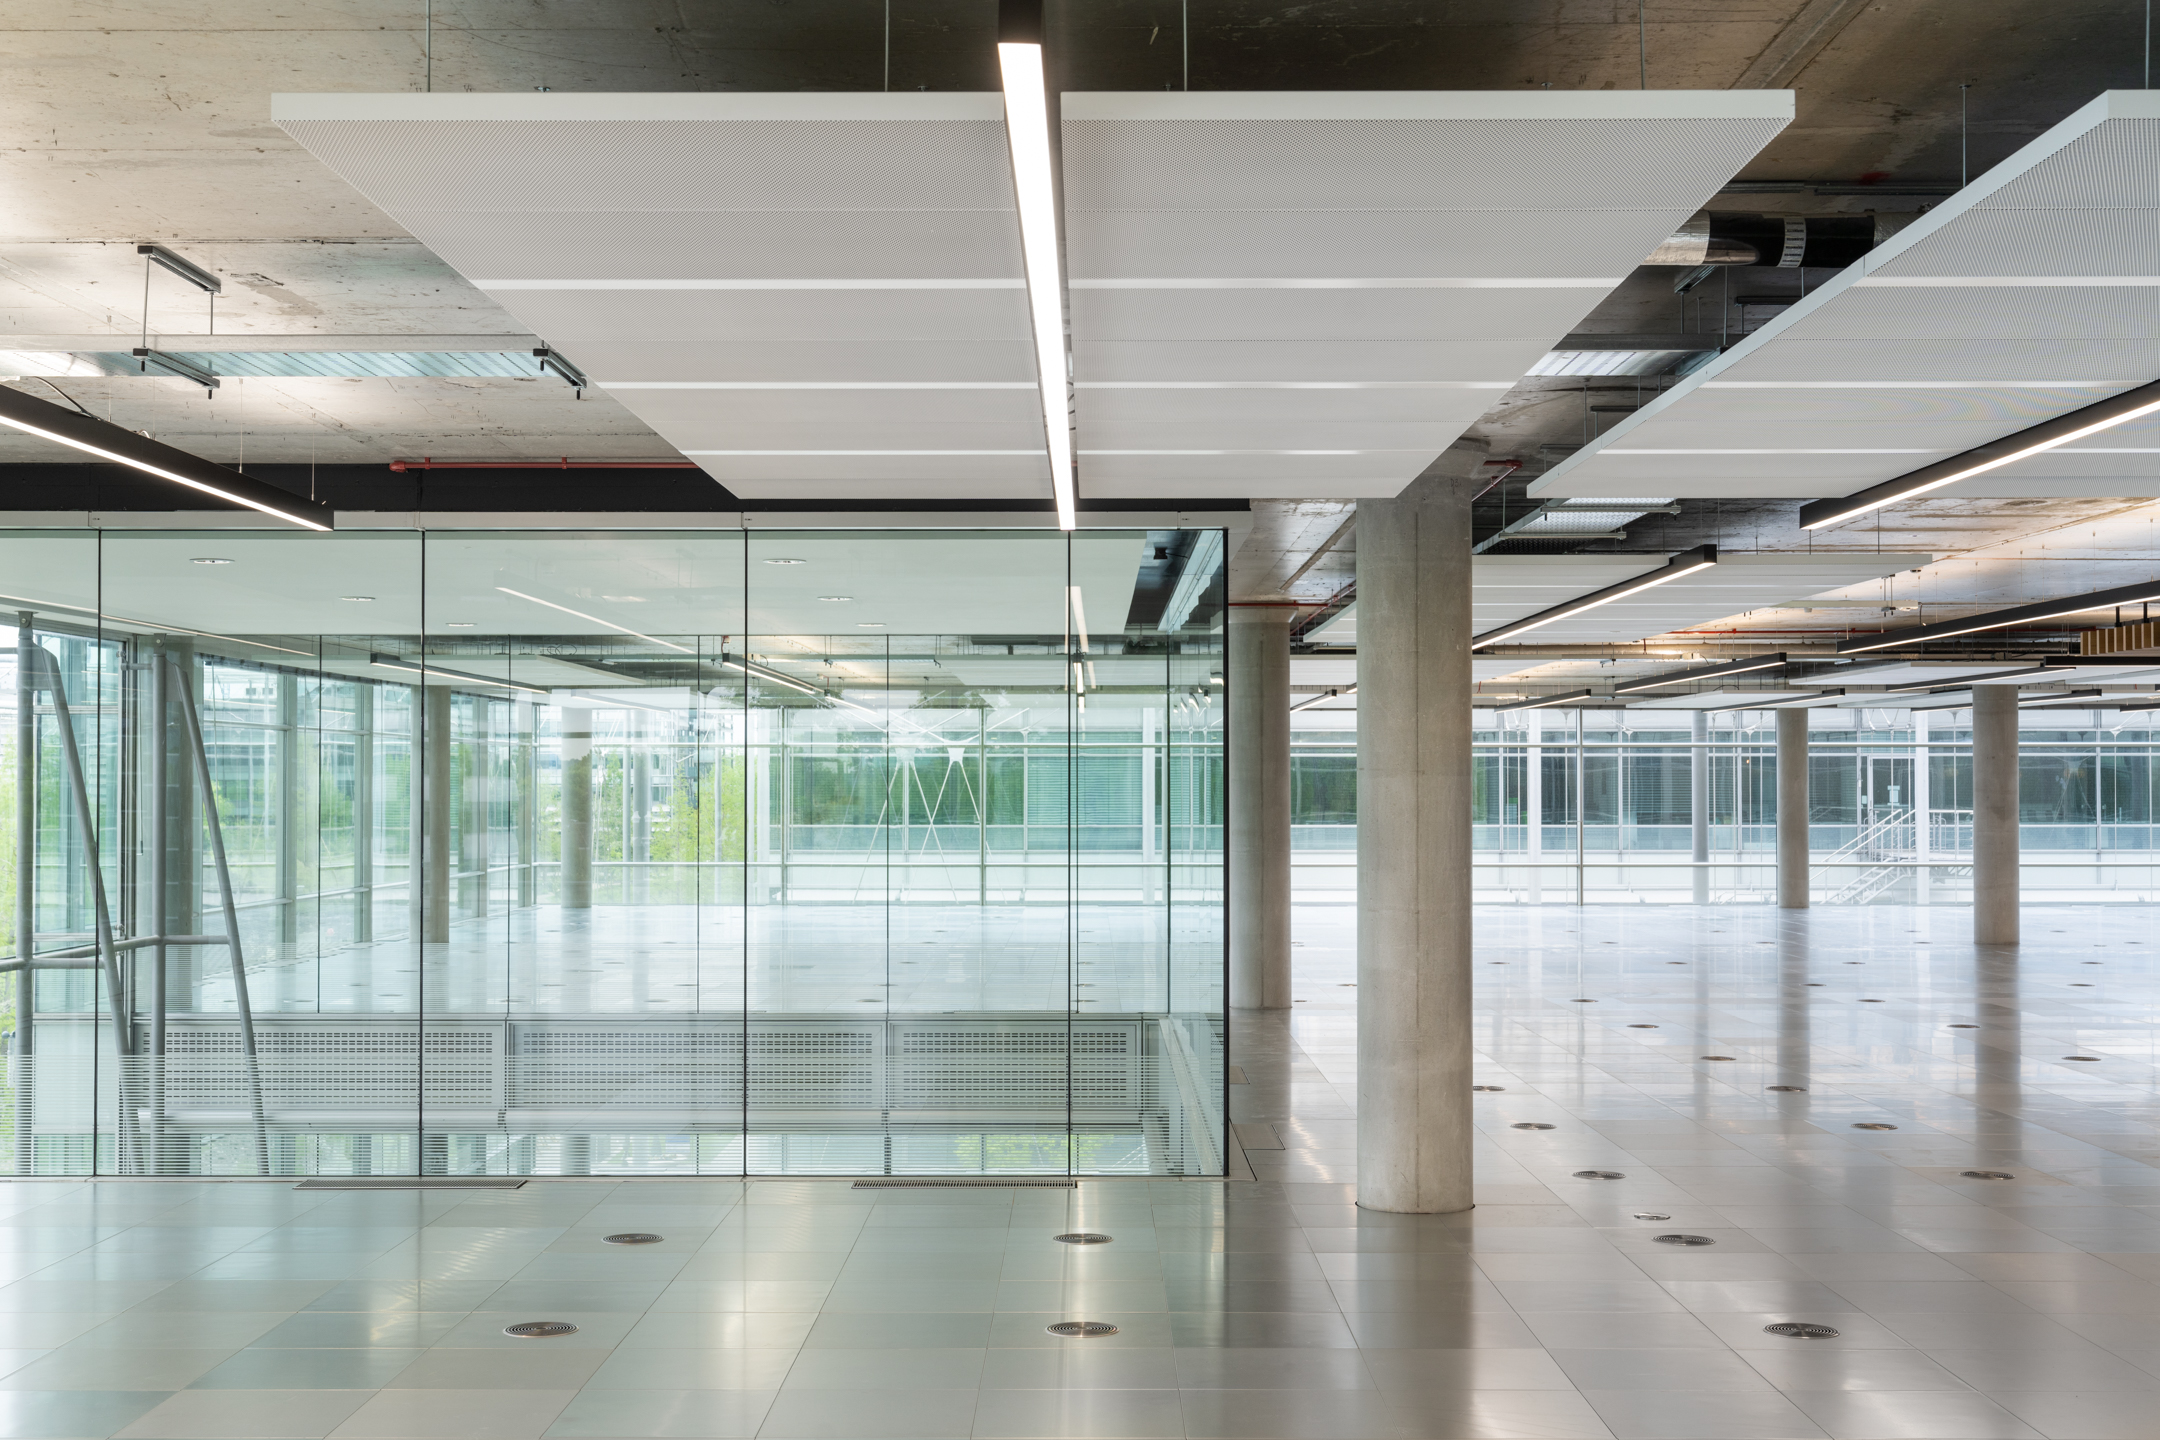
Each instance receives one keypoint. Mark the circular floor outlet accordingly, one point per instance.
(1872, 1125)
(1640, 1026)
(1582, 1002)
(1959, 1025)
(539, 1329)
(1488, 1087)
(1987, 1175)
(1717, 1057)
(1530, 1125)
(1600, 1175)
(1082, 1237)
(1082, 1329)
(2088, 1059)
(1685, 1240)
(1650, 1215)
(1801, 1330)
(1871, 1002)
(1787, 1089)
(632, 1237)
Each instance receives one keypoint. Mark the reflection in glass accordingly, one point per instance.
(698, 852)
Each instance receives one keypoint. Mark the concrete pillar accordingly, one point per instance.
(576, 809)
(1792, 809)
(1414, 1023)
(1995, 815)
(1699, 804)
(1259, 805)
(436, 799)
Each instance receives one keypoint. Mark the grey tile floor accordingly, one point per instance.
(1277, 1310)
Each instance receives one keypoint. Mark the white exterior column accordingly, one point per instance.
(1259, 804)
(1414, 1023)
(1995, 814)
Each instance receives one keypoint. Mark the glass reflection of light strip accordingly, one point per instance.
(1027, 130)
(650, 640)
(470, 679)
(154, 625)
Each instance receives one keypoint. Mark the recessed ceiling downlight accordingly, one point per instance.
(359, 599)
(836, 597)
(211, 560)
(785, 560)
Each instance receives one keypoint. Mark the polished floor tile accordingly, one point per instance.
(2026, 1309)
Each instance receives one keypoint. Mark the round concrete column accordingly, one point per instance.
(1995, 815)
(1792, 809)
(576, 809)
(437, 799)
(1413, 618)
(1259, 808)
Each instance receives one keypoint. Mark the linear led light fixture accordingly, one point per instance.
(1027, 131)
(1681, 677)
(174, 365)
(183, 267)
(2140, 594)
(1702, 557)
(1811, 702)
(649, 639)
(761, 673)
(1961, 682)
(399, 662)
(550, 360)
(2048, 435)
(122, 446)
(1307, 704)
(2058, 697)
(1544, 700)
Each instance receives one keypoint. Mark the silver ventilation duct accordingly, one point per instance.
(1722, 237)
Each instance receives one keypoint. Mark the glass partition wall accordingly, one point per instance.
(813, 852)
(1599, 806)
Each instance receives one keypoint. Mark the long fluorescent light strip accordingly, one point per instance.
(596, 620)
(1682, 677)
(152, 625)
(1027, 130)
(470, 679)
(2004, 619)
(2041, 447)
(1540, 704)
(163, 474)
(1307, 704)
(1577, 607)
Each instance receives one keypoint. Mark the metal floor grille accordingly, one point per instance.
(361, 1182)
(987, 1183)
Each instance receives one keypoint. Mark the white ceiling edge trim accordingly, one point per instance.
(1148, 105)
(657, 105)
(1558, 483)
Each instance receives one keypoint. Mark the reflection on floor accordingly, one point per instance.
(1967, 1308)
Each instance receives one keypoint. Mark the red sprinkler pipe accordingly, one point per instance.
(401, 466)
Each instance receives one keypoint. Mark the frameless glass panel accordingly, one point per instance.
(817, 852)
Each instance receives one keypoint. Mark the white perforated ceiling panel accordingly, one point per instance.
(1224, 247)
(2032, 293)
(809, 295)
(756, 276)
